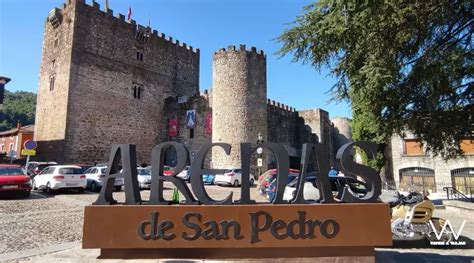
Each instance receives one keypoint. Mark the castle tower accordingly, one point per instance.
(239, 100)
(103, 81)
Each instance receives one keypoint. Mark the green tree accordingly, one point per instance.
(17, 106)
(403, 65)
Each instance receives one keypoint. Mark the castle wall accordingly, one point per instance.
(317, 121)
(53, 85)
(342, 132)
(105, 73)
(199, 103)
(282, 124)
(239, 97)
(101, 63)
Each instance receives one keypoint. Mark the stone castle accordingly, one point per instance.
(105, 80)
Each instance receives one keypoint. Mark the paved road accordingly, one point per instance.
(48, 228)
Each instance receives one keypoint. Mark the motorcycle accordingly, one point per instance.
(412, 219)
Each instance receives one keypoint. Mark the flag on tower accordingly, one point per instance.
(129, 15)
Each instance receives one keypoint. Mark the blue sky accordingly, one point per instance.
(205, 24)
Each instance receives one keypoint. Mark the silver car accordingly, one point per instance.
(96, 177)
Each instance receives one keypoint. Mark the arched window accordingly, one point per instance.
(463, 179)
(417, 179)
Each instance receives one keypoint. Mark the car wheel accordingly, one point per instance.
(48, 188)
(94, 187)
(118, 188)
(26, 193)
(236, 183)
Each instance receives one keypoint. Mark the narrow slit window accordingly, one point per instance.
(137, 91)
(191, 133)
(52, 79)
(139, 56)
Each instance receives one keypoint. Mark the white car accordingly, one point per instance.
(60, 177)
(311, 192)
(96, 177)
(232, 176)
(185, 174)
(144, 178)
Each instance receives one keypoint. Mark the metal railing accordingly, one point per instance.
(453, 193)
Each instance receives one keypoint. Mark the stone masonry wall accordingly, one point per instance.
(442, 168)
(200, 103)
(105, 68)
(239, 103)
(282, 124)
(319, 123)
(52, 100)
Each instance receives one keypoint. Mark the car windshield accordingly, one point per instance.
(42, 166)
(144, 172)
(11, 171)
(71, 170)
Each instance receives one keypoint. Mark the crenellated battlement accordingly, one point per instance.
(242, 48)
(280, 106)
(153, 34)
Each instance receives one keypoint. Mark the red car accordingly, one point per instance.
(14, 180)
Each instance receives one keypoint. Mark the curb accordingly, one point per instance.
(460, 207)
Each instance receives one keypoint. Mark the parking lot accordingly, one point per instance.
(34, 227)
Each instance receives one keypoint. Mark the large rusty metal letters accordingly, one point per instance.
(127, 154)
(157, 177)
(283, 167)
(351, 168)
(197, 171)
(316, 151)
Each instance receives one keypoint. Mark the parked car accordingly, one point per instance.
(267, 178)
(185, 174)
(311, 192)
(13, 179)
(96, 177)
(60, 177)
(82, 165)
(144, 178)
(168, 170)
(208, 178)
(232, 176)
(35, 168)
